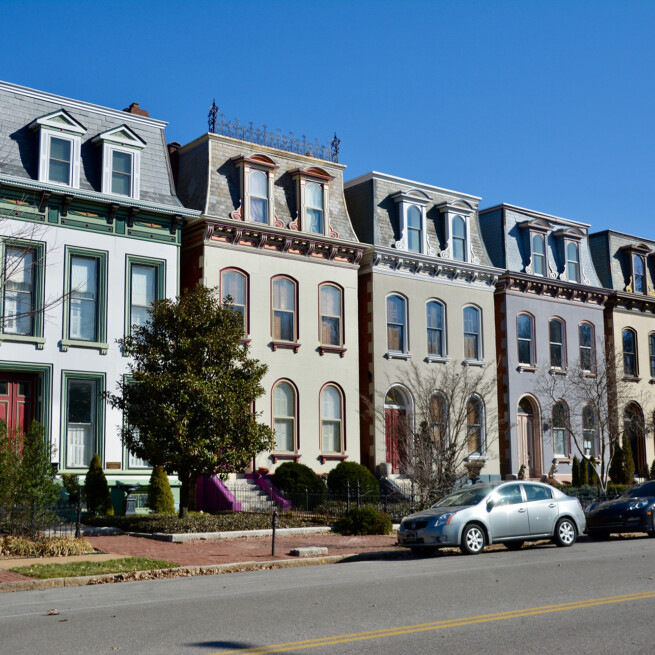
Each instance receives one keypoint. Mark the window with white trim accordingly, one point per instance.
(331, 308)
(459, 239)
(284, 309)
(414, 229)
(143, 292)
(314, 220)
(475, 425)
(639, 274)
(589, 431)
(396, 324)
(572, 261)
(556, 334)
(258, 187)
(472, 341)
(121, 161)
(435, 328)
(81, 421)
(19, 291)
(234, 285)
(284, 416)
(587, 353)
(525, 338)
(83, 317)
(539, 254)
(560, 441)
(331, 419)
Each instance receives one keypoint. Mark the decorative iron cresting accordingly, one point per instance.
(218, 124)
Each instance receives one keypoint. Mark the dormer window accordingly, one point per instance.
(414, 229)
(411, 221)
(639, 273)
(258, 196)
(457, 229)
(568, 248)
(536, 232)
(539, 254)
(60, 140)
(312, 193)
(573, 261)
(121, 161)
(314, 208)
(459, 239)
(635, 261)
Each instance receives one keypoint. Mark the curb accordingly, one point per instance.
(190, 571)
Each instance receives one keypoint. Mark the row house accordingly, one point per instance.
(426, 302)
(626, 265)
(275, 237)
(91, 232)
(549, 320)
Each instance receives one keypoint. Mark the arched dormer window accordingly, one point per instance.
(411, 206)
(573, 261)
(639, 273)
(258, 196)
(459, 239)
(539, 254)
(312, 188)
(257, 178)
(314, 208)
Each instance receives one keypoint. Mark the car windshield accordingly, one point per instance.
(464, 497)
(640, 490)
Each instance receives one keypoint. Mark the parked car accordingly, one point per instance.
(632, 511)
(499, 512)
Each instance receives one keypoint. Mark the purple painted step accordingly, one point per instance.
(213, 495)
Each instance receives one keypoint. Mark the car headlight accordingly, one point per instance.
(444, 519)
(638, 505)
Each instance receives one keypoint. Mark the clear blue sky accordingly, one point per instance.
(547, 105)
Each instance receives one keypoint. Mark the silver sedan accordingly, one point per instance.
(497, 512)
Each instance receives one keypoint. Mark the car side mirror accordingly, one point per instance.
(491, 503)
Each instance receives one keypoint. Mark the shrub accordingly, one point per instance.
(575, 472)
(628, 461)
(160, 496)
(351, 473)
(96, 489)
(364, 520)
(617, 468)
(50, 547)
(652, 470)
(293, 477)
(593, 476)
(584, 473)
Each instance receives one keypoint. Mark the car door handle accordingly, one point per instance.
(521, 510)
(552, 505)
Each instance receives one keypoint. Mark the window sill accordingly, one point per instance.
(74, 343)
(474, 362)
(332, 349)
(562, 459)
(290, 345)
(39, 342)
(476, 457)
(559, 371)
(589, 374)
(245, 342)
(332, 458)
(285, 456)
(631, 378)
(398, 355)
(527, 368)
(437, 359)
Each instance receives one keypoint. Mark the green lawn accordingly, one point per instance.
(72, 569)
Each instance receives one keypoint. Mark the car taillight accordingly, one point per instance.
(579, 505)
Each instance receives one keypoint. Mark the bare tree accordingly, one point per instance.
(453, 422)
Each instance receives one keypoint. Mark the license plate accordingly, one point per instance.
(410, 536)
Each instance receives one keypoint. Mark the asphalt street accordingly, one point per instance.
(596, 597)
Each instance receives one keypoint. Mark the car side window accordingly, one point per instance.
(537, 492)
(510, 495)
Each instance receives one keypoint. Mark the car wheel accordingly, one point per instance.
(565, 533)
(473, 540)
(514, 545)
(598, 535)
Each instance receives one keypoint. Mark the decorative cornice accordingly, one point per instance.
(632, 302)
(552, 289)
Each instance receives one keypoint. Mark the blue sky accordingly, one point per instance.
(547, 105)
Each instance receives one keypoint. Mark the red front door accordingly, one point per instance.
(392, 426)
(17, 394)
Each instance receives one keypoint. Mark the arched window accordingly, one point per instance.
(435, 323)
(589, 431)
(475, 425)
(258, 188)
(630, 353)
(556, 334)
(234, 285)
(414, 229)
(331, 419)
(314, 207)
(572, 262)
(525, 336)
(560, 440)
(472, 345)
(439, 417)
(285, 416)
(396, 324)
(459, 239)
(639, 271)
(284, 309)
(538, 254)
(651, 353)
(587, 354)
(331, 309)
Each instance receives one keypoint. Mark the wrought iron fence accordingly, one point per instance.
(32, 521)
(588, 495)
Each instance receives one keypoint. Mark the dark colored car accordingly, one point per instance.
(632, 511)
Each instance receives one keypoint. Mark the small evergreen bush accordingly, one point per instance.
(584, 473)
(617, 469)
(628, 461)
(652, 470)
(364, 520)
(293, 478)
(160, 496)
(593, 476)
(96, 489)
(351, 473)
(575, 472)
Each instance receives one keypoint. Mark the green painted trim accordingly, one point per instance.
(127, 378)
(100, 379)
(39, 290)
(101, 313)
(159, 265)
(43, 409)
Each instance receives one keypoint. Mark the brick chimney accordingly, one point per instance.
(135, 109)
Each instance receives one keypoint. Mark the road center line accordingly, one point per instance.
(438, 625)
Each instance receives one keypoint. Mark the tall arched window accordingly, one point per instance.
(314, 207)
(414, 229)
(331, 419)
(475, 425)
(435, 323)
(234, 284)
(258, 187)
(572, 262)
(472, 345)
(639, 271)
(630, 353)
(284, 416)
(331, 309)
(589, 431)
(556, 335)
(284, 309)
(587, 354)
(525, 336)
(396, 324)
(538, 254)
(459, 239)
(439, 417)
(560, 440)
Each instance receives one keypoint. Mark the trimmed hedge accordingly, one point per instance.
(362, 521)
(351, 472)
(293, 477)
(160, 496)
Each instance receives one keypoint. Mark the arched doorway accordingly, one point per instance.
(396, 412)
(634, 426)
(529, 438)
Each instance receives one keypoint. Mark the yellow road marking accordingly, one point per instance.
(438, 625)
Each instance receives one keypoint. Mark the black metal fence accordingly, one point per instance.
(35, 522)
(588, 495)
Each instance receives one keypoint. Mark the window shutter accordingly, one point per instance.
(136, 188)
(77, 146)
(43, 159)
(106, 169)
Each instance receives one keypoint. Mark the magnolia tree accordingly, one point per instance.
(451, 425)
(189, 396)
